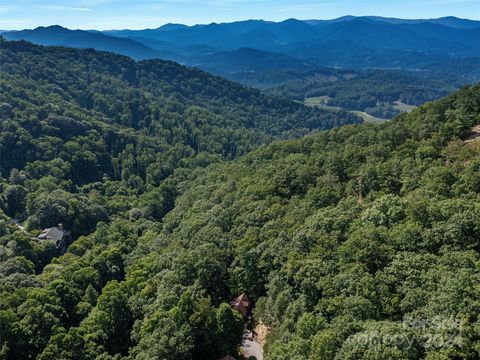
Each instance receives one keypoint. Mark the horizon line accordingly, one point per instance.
(245, 20)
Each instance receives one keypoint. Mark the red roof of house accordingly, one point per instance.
(242, 304)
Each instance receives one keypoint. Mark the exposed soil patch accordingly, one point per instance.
(261, 331)
(474, 135)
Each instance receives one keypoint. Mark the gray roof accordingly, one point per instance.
(53, 233)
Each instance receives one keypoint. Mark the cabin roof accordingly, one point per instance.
(53, 233)
(242, 304)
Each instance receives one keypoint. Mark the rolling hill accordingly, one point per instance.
(362, 231)
(377, 37)
(181, 107)
(141, 194)
(178, 201)
(248, 60)
(229, 48)
(450, 21)
(60, 36)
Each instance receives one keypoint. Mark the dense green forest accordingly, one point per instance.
(381, 91)
(94, 141)
(360, 242)
(81, 120)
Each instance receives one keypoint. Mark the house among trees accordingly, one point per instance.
(58, 235)
(243, 305)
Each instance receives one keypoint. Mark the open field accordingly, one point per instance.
(321, 101)
(403, 107)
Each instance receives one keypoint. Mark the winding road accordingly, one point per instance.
(252, 348)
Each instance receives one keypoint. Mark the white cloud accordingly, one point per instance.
(67, 8)
(299, 7)
(4, 9)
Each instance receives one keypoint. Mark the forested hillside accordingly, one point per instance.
(344, 61)
(90, 137)
(60, 36)
(361, 242)
(351, 42)
(378, 92)
(254, 45)
(358, 243)
(156, 112)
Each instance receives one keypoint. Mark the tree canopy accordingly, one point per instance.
(360, 242)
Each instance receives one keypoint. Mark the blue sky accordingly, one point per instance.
(139, 14)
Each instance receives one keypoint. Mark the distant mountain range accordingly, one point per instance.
(257, 45)
(348, 41)
(450, 21)
(57, 35)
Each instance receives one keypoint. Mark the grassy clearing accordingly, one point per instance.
(318, 100)
(367, 118)
(321, 102)
(403, 107)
